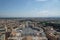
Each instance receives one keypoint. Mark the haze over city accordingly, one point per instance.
(29, 8)
(29, 19)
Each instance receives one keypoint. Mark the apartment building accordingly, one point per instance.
(2, 32)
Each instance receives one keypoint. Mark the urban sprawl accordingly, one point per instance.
(30, 29)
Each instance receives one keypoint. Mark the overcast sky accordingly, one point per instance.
(29, 8)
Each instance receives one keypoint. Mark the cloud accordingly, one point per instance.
(46, 13)
(47, 0)
(43, 11)
(41, 0)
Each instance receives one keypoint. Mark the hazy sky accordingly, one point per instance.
(29, 8)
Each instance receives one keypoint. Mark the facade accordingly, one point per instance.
(2, 32)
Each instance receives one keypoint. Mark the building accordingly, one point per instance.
(29, 33)
(2, 32)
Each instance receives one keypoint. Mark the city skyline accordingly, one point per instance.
(29, 8)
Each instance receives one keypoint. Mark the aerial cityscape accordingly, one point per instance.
(29, 19)
(30, 29)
